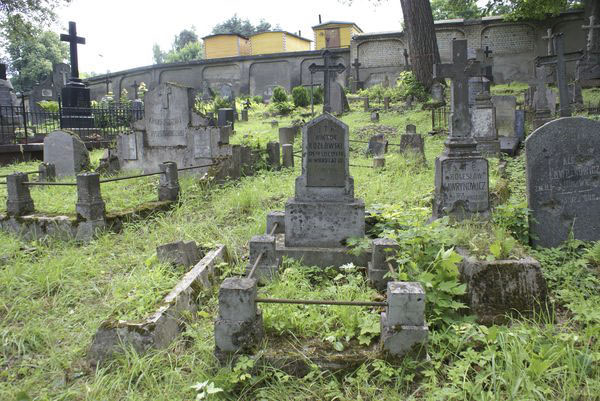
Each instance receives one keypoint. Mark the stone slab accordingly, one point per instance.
(67, 152)
(321, 257)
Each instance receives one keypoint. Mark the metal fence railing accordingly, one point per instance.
(439, 119)
(21, 126)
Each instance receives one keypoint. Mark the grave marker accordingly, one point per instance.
(329, 71)
(67, 152)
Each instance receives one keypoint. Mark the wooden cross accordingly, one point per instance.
(592, 39)
(135, 87)
(548, 37)
(459, 72)
(356, 66)
(165, 97)
(73, 40)
(329, 70)
(559, 61)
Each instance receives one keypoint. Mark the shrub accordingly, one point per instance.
(49, 105)
(301, 96)
(258, 99)
(279, 95)
(282, 108)
(317, 95)
(407, 85)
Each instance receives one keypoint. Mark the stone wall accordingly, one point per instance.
(514, 44)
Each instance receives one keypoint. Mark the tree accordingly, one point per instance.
(531, 9)
(32, 56)
(450, 9)
(422, 42)
(34, 12)
(185, 47)
(242, 27)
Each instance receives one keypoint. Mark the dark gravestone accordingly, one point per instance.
(326, 158)
(412, 142)
(378, 145)
(225, 117)
(563, 181)
(438, 95)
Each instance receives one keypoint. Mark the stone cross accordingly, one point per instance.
(592, 39)
(73, 40)
(548, 37)
(328, 70)
(559, 61)
(356, 66)
(135, 87)
(406, 58)
(459, 72)
(165, 97)
(107, 82)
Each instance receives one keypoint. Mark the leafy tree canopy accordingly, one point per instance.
(242, 26)
(530, 9)
(450, 9)
(185, 47)
(32, 11)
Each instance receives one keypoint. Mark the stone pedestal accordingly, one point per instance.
(89, 207)
(288, 155)
(269, 262)
(168, 186)
(76, 106)
(384, 250)
(225, 117)
(18, 201)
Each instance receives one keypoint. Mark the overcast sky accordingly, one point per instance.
(120, 33)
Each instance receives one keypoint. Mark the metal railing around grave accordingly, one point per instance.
(439, 119)
(21, 126)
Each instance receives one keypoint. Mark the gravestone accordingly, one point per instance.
(506, 106)
(461, 174)
(438, 93)
(172, 131)
(483, 120)
(563, 181)
(225, 117)
(543, 99)
(324, 212)
(67, 152)
(377, 145)
(207, 93)
(338, 100)
(412, 142)
(226, 92)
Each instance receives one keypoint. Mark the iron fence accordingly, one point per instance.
(439, 119)
(21, 126)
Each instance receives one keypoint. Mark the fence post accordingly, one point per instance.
(18, 201)
(89, 207)
(60, 120)
(168, 187)
(24, 116)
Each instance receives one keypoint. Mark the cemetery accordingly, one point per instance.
(348, 239)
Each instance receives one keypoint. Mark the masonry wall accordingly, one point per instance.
(514, 46)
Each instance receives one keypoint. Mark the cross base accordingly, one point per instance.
(461, 146)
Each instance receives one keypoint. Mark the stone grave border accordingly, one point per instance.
(163, 325)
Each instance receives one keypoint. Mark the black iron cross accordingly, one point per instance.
(107, 82)
(459, 72)
(73, 40)
(356, 66)
(329, 70)
(559, 61)
(247, 104)
(135, 87)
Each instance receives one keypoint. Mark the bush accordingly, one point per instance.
(279, 95)
(282, 108)
(258, 99)
(317, 95)
(301, 96)
(407, 85)
(49, 105)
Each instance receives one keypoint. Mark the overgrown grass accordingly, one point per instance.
(54, 295)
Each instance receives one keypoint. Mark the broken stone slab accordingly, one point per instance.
(180, 253)
(160, 328)
(496, 289)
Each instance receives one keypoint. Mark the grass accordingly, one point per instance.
(54, 295)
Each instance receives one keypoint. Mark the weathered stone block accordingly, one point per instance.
(238, 336)
(18, 201)
(273, 156)
(237, 299)
(168, 186)
(276, 217)
(406, 304)
(288, 155)
(403, 340)
(180, 253)
(383, 249)
(269, 261)
(90, 206)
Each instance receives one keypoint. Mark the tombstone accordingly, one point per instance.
(137, 109)
(9, 119)
(412, 142)
(506, 106)
(226, 92)
(461, 174)
(172, 131)
(324, 212)
(287, 135)
(207, 94)
(109, 163)
(67, 152)
(438, 93)
(542, 99)
(563, 181)
(225, 117)
(576, 95)
(386, 103)
(366, 105)
(377, 146)
(75, 97)
(375, 116)
(338, 100)
(483, 121)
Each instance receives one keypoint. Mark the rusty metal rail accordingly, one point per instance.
(319, 302)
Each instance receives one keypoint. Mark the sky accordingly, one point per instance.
(120, 33)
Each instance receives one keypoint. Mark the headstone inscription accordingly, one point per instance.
(324, 212)
(67, 152)
(76, 112)
(329, 71)
(563, 181)
(172, 131)
(461, 174)
(559, 60)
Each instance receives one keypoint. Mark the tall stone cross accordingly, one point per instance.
(73, 40)
(165, 97)
(593, 43)
(459, 72)
(356, 66)
(559, 61)
(329, 70)
(107, 81)
(135, 87)
(549, 37)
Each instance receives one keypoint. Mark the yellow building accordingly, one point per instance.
(226, 45)
(334, 34)
(278, 42)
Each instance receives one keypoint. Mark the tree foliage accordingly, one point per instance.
(450, 9)
(31, 11)
(185, 47)
(530, 9)
(242, 26)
